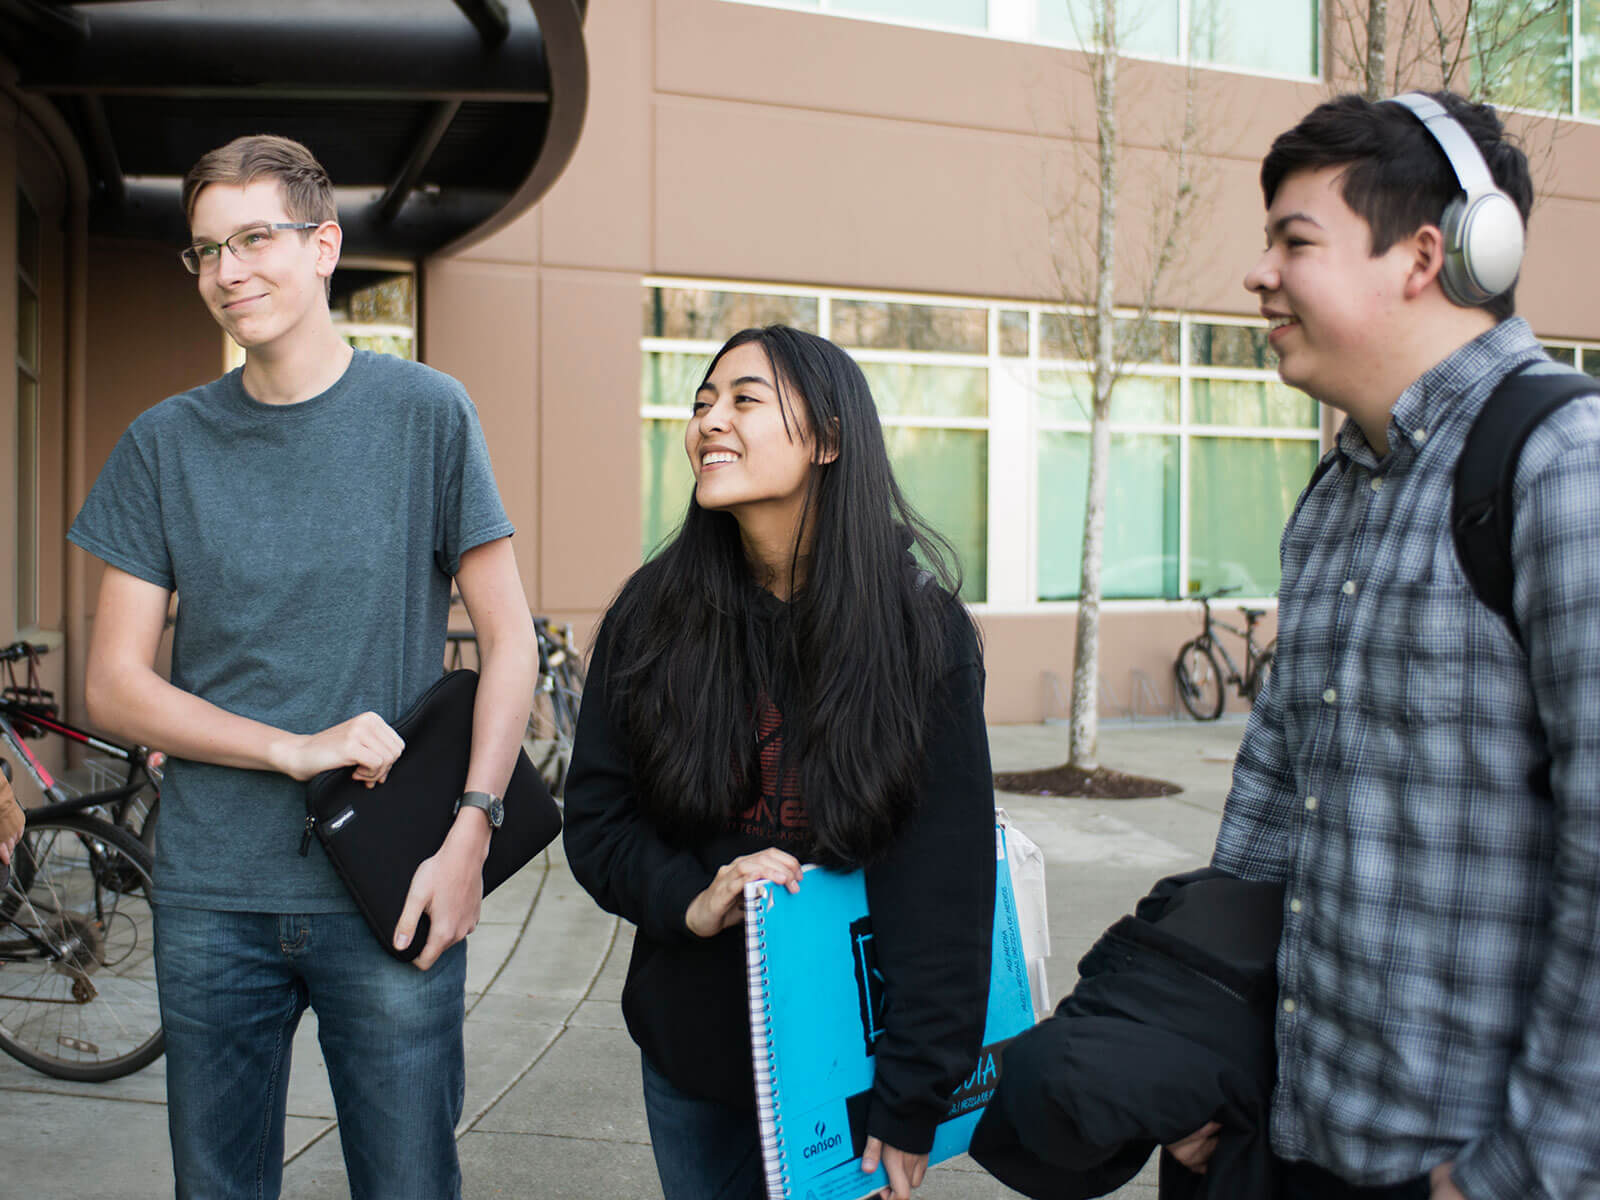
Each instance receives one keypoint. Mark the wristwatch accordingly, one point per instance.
(493, 807)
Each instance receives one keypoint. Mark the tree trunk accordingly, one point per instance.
(1377, 87)
(1084, 746)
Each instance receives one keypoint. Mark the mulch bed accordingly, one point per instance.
(1099, 784)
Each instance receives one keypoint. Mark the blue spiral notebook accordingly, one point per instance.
(815, 1003)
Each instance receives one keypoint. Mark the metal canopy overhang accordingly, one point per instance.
(438, 121)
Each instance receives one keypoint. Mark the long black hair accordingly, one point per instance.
(693, 641)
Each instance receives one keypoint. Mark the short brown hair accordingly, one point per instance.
(307, 190)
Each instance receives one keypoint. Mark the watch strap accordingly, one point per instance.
(488, 801)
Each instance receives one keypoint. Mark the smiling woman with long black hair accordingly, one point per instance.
(783, 684)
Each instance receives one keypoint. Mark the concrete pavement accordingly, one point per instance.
(553, 1108)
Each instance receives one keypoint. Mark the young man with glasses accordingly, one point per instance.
(312, 510)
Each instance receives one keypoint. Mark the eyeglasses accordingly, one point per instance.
(246, 245)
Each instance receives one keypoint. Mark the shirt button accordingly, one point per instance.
(1311, 804)
(1289, 1005)
(1330, 695)
(1420, 436)
(1377, 483)
(1349, 588)
(1295, 906)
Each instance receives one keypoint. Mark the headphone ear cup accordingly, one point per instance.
(1453, 276)
(1483, 238)
(1492, 238)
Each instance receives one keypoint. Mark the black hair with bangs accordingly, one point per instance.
(862, 642)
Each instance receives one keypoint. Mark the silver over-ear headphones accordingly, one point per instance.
(1482, 228)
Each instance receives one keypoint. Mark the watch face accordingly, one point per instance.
(497, 812)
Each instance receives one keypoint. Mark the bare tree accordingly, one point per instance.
(1508, 52)
(1110, 343)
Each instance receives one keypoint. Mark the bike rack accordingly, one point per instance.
(1145, 700)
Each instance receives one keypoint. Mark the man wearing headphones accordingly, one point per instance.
(1421, 774)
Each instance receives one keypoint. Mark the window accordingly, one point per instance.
(1276, 37)
(1538, 54)
(956, 14)
(376, 309)
(1585, 357)
(927, 365)
(1254, 35)
(29, 262)
(1208, 454)
(985, 408)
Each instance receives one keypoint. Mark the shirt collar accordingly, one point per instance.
(1457, 384)
(1462, 380)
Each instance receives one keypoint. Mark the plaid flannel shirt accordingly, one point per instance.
(1439, 972)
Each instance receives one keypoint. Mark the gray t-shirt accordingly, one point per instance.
(312, 547)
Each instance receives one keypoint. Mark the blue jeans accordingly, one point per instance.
(233, 986)
(704, 1150)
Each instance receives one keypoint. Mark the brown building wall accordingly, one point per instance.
(734, 141)
(758, 144)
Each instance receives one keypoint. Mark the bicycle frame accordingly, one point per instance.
(1253, 654)
(57, 800)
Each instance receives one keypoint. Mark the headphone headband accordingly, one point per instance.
(1466, 160)
(1483, 230)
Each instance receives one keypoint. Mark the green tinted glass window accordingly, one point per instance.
(944, 474)
(1563, 354)
(670, 380)
(1241, 492)
(964, 14)
(1589, 58)
(1141, 399)
(703, 315)
(1071, 336)
(1263, 35)
(666, 481)
(920, 390)
(1141, 535)
(1013, 333)
(1230, 346)
(883, 325)
(1143, 26)
(389, 300)
(1251, 403)
(1522, 53)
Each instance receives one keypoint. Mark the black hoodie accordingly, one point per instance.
(931, 896)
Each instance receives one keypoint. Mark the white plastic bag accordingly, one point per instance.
(1026, 862)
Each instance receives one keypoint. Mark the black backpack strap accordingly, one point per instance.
(1481, 508)
(1333, 458)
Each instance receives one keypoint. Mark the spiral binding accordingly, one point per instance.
(769, 1110)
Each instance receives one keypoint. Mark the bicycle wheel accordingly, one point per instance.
(77, 969)
(1199, 681)
(551, 727)
(1258, 678)
(138, 813)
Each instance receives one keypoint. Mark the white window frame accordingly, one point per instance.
(1017, 21)
(1013, 424)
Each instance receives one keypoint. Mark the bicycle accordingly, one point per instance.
(125, 780)
(553, 715)
(553, 719)
(77, 966)
(1202, 683)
